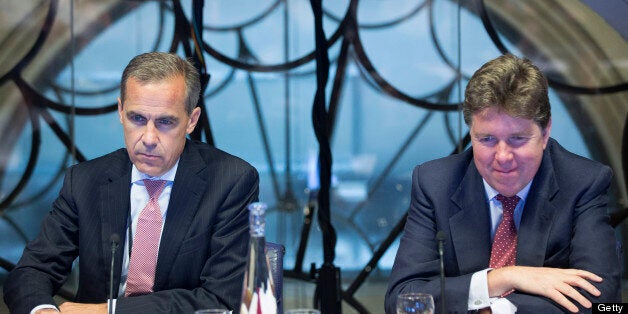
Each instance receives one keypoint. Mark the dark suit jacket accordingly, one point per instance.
(203, 249)
(564, 225)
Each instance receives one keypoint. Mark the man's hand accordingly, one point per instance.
(554, 283)
(71, 307)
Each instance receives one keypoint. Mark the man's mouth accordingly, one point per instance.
(148, 156)
(505, 172)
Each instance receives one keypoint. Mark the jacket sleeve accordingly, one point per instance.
(416, 267)
(593, 246)
(47, 260)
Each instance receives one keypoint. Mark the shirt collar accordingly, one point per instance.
(491, 192)
(136, 175)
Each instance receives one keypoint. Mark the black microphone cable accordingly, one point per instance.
(440, 238)
(114, 240)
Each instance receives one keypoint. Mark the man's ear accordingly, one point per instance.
(196, 113)
(120, 109)
(546, 132)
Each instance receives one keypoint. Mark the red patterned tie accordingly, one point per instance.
(146, 243)
(504, 248)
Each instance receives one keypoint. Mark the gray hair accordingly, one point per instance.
(156, 66)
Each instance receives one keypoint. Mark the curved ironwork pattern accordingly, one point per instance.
(492, 32)
(343, 54)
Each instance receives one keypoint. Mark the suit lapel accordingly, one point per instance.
(113, 205)
(470, 226)
(187, 191)
(538, 213)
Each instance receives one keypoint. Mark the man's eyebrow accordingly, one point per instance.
(168, 117)
(522, 133)
(481, 134)
(133, 113)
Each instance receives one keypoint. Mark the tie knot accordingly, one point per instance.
(154, 187)
(508, 202)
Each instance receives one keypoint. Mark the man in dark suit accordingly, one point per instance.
(197, 261)
(561, 253)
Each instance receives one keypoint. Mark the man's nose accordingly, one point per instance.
(150, 136)
(503, 152)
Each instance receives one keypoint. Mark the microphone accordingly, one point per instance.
(440, 238)
(115, 240)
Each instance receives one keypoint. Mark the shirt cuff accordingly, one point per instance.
(43, 306)
(502, 306)
(479, 298)
(478, 291)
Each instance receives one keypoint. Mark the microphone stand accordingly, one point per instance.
(440, 237)
(115, 239)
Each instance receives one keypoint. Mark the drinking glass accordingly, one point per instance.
(212, 311)
(415, 303)
(303, 311)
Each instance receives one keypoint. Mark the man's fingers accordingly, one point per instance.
(559, 297)
(586, 285)
(585, 274)
(575, 295)
(576, 278)
(561, 285)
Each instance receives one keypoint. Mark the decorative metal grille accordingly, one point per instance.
(331, 86)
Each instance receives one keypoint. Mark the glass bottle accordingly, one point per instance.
(258, 291)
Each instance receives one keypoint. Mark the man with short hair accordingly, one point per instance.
(179, 207)
(525, 221)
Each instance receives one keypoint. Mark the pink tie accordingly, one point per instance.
(141, 276)
(504, 248)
